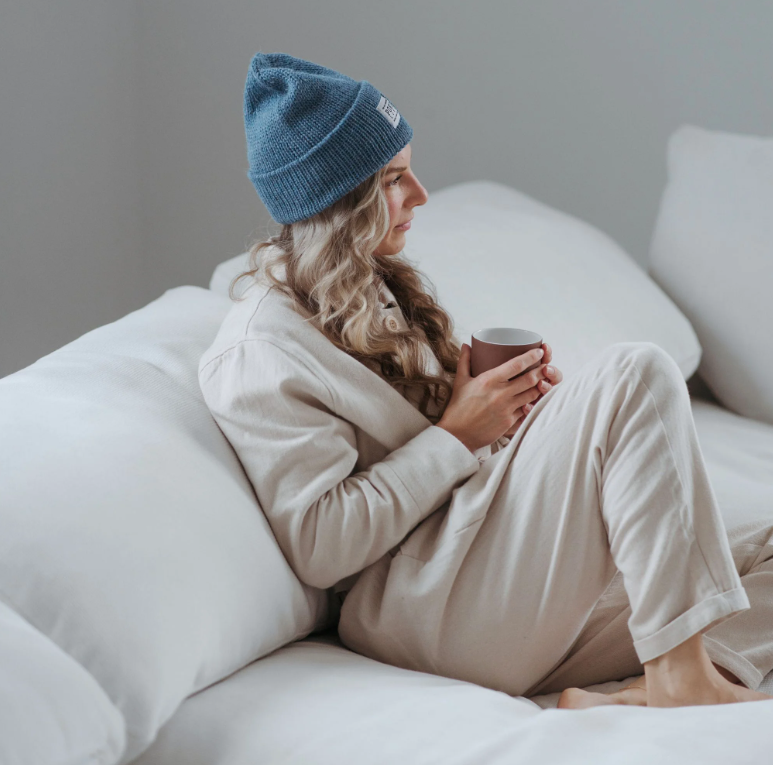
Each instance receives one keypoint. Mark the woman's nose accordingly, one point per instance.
(421, 194)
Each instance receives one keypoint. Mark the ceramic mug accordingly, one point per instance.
(493, 346)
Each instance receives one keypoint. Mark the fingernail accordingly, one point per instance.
(540, 353)
(549, 370)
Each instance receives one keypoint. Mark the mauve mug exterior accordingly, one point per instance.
(493, 346)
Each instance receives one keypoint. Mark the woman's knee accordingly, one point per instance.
(649, 358)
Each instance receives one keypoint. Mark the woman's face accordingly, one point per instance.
(403, 193)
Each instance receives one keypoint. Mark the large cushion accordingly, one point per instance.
(499, 258)
(712, 252)
(131, 536)
(51, 710)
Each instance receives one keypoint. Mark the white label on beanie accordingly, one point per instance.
(391, 115)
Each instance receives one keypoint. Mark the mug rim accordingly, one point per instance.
(537, 337)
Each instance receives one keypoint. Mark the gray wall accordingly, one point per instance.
(71, 252)
(121, 136)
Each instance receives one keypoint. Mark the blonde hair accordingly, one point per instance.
(331, 272)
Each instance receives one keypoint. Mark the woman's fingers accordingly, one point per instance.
(553, 375)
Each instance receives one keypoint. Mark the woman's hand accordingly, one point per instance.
(484, 408)
(553, 376)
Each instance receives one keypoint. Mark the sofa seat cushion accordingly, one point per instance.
(315, 702)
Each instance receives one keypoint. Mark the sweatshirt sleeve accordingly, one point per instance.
(329, 521)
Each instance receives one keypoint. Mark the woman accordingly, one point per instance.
(491, 529)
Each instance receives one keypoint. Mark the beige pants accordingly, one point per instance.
(595, 527)
(743, 643)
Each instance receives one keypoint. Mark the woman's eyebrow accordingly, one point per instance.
(395, 170)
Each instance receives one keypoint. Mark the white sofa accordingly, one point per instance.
(146, 612)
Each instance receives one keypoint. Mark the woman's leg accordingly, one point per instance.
(605, 474)
(677, 668)
(669, 542)
(663, 529)
(741, 648)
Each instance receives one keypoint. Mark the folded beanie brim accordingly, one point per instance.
(362, 142)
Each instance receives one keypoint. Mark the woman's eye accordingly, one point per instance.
(394, 182)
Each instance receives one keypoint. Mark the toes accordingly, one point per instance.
(635, 696)
(576, 698)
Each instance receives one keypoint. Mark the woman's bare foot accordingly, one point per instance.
(633, 694)
(577, 698)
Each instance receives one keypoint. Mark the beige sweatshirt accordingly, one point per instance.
(343, 466)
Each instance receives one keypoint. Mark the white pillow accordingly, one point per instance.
(131, 536)
(224, 272)
(712, 251)
(51, 710)
(502, 259)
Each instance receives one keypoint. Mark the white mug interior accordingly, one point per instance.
(506, 336)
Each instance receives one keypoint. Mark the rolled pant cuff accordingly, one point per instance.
(700, 616)
(740, 666)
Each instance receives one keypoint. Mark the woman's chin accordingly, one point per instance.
(394, 247)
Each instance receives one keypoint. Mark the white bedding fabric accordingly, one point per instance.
(314, 702)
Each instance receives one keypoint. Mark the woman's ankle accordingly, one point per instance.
(686, 675)
(687, 664)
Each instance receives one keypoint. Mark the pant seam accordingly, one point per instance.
(679, 479)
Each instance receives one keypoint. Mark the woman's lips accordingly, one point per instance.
(404, 227)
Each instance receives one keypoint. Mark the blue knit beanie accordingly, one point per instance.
(313, 134)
